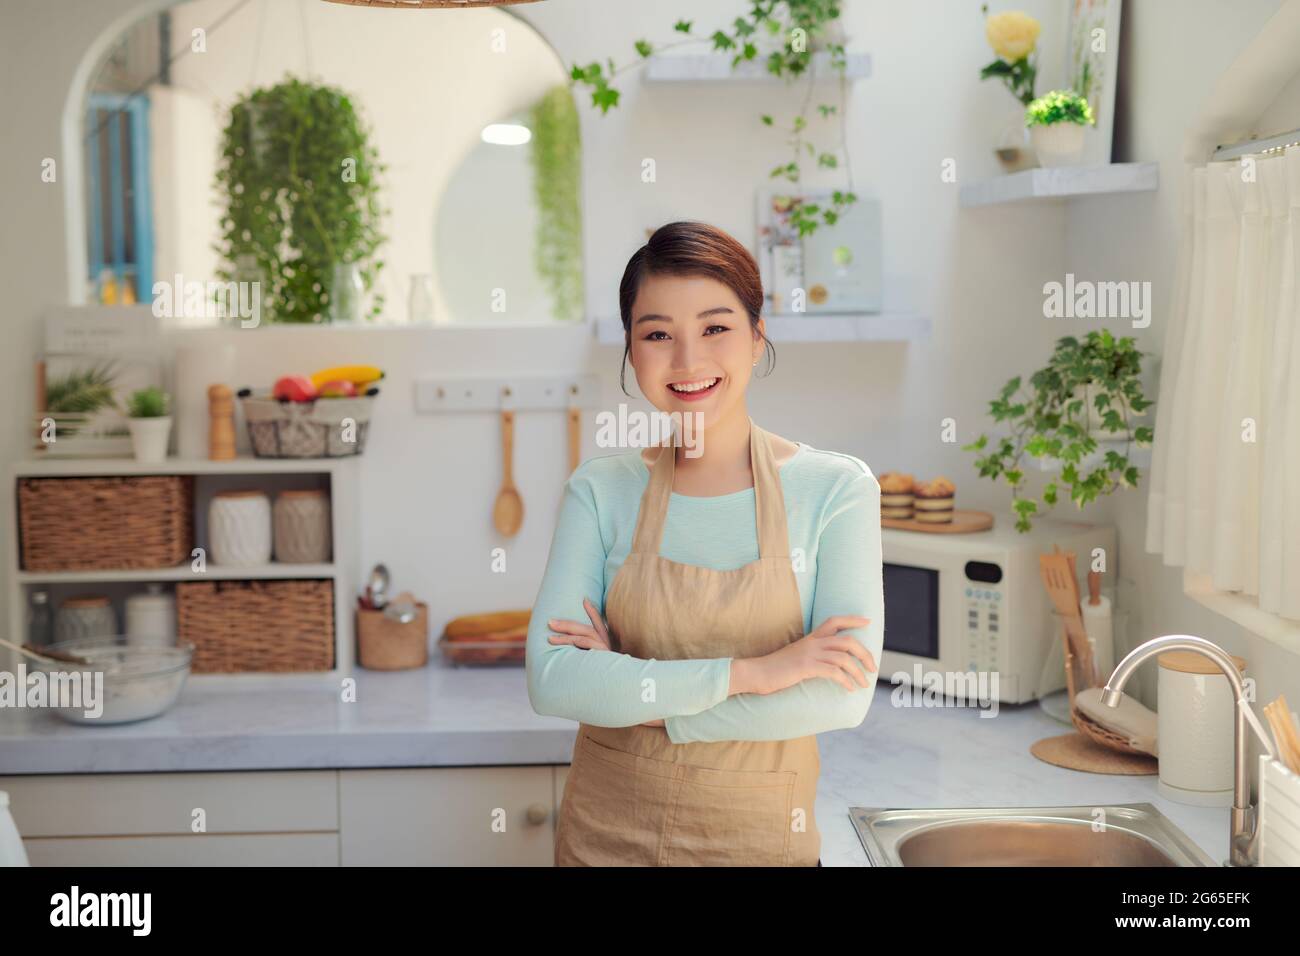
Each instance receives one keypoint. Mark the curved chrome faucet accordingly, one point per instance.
(1243, 848)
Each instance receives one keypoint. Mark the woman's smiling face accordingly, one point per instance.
(688, 332)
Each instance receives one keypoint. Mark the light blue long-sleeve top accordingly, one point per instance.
(832, 503)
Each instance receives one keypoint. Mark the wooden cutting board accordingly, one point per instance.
(963, 522)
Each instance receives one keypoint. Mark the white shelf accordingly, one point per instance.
(875, 327)
(1062, 182)
(716, 68)
(54, 465)
(182, 572)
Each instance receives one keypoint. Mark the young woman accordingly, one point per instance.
(706, 610)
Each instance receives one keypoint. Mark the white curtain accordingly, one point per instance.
(1224, 496)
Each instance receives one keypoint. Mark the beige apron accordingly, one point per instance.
(633, 797)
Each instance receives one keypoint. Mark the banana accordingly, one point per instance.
(358, 375)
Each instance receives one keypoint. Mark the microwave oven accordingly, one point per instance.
(975, 603)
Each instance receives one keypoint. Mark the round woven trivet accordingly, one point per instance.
(1077, 752)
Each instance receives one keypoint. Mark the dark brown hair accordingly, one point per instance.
(691, 248)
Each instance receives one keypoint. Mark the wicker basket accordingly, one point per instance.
(318, 429)
(112, 523)
(387, 645)
(243, 626)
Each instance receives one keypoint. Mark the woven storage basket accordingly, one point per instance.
(242, 626)
(112, 523)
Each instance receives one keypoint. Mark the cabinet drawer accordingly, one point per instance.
(447, 816)
(200, 849)
(128, 804)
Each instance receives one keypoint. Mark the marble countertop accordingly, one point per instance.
(444, 716)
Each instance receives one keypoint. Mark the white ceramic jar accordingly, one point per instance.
(151, 618)
(302, 527)
(239, 528)
(1195, 723)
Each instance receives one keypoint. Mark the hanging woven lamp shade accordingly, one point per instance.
(430, 4)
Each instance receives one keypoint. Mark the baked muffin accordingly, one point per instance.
(934, 500)
(896, 494)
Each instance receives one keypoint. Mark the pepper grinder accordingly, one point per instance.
(221, 424)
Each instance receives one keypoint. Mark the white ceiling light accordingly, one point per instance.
(506, 134)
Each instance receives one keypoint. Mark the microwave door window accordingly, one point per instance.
(912, 610)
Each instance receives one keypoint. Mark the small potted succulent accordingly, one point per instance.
(1057, 121)
(150, 423)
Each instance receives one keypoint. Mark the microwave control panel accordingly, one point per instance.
(983, 626)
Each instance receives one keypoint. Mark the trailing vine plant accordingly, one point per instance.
(1049, 420)
(797, 23)
(556, 157)
(300, 181)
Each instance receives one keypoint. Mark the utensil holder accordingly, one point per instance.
(1279, 814)
(387, 645)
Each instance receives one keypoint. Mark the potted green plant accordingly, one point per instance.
(300, 180)
(1049, 420)
(150, 423)
(1013, 35)
(1057, 121)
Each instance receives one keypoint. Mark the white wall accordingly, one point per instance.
(430, 481)
(1171, 64)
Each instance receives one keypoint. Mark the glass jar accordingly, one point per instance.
(420, 301)
(347, 293)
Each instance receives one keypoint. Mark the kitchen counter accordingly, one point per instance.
(443, 716)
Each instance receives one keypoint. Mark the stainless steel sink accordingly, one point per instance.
(1135, 834)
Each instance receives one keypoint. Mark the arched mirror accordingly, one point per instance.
(362, 165)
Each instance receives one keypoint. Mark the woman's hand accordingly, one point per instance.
(590, 637)
(823, 653)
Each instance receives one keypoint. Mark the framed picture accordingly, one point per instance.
(1092, 59)
(836, 269)
(94, 359)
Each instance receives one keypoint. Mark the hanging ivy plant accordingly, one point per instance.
(299, 177)
(556, 157)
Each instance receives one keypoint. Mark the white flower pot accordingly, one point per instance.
(149, 437)
(1060, 144)
(1088, 395)
(239, 528)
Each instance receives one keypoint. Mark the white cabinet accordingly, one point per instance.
(484, 816)
(453, 816)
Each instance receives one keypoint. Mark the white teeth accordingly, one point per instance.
(694, 386)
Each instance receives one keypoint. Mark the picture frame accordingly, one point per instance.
(1092, 62)
(835, 270)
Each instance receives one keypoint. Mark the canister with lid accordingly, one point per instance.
(1195, 719)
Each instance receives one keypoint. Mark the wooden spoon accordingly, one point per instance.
(49, 657)
(508, 512)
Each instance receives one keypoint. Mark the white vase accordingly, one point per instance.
(149, 437)
(1088, 395)
(1060, 144)
(239, 529)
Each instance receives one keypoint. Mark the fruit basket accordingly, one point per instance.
(322, 428)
